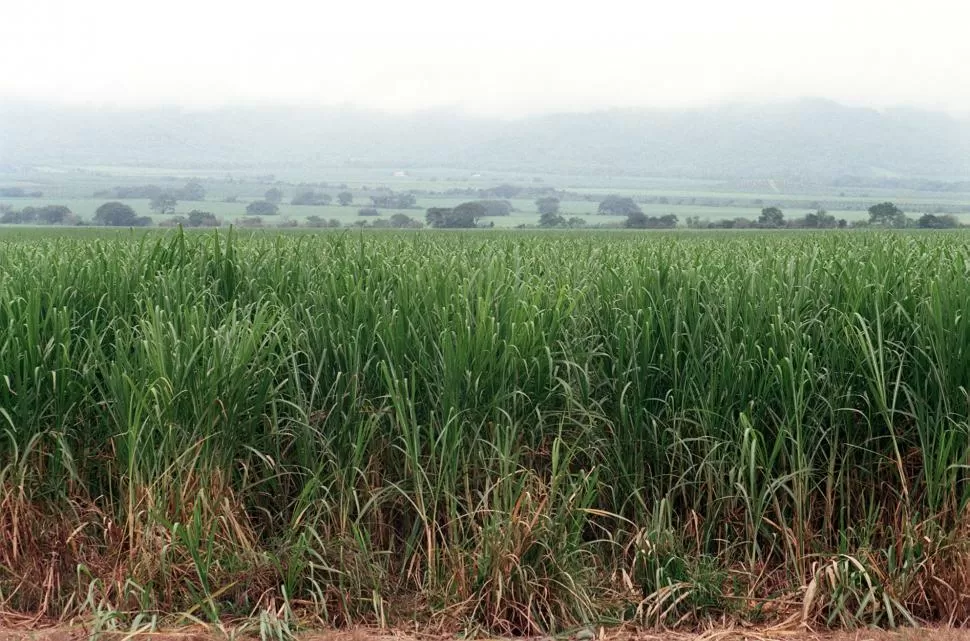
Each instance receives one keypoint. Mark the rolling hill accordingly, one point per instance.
(811, 138)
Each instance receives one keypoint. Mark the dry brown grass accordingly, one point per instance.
(80, 633)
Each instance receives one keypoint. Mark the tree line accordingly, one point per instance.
(471, 214)
(885, 215)
(19, 192)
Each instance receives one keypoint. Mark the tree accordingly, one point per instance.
(551, 219)
(9, 215)
(667, 221)
(771, 217)
(274, 195)
(438, 216)
(887, 215)
(496, 207)
(46, 215)
(505, 191)
(163, 203)
(18, 192)
(938, 221)
(174, 221)
(467, 214)
(368, 211)
(637, 220)
(199, 218)
(132, 191)
(54, 214)
(262, 208)
(192, 191)
(345, 198)
(820, 219)
(548, 205)
(115, 214)
(318, 221)
(403, 221)
(391, 200)
(576, 221)
(464, 215)
(618, 206)
(311, 198)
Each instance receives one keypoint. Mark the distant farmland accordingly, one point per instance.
(227, 195)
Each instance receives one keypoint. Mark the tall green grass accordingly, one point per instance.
(512, 433)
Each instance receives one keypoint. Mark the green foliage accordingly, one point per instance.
(820, 219)
(10, 216)
(273, 195)
(551, 219)
(503, 191)
(163, 203)
(319, 222)
(130, 191)
(54, 214)
(197, 218)
(262, 208)
(619, 206)
(465, 215)
(394, 201)
(403, 221)
(528, 432)
(116, 214)
(19, 192)
(887, 215)
(771, 217)
(46, 215)
(548, 205)
(938, 221)
(496, 207)
(639, 220)
(311, 197)
(191, 191)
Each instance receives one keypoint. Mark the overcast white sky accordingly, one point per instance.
(505, 57)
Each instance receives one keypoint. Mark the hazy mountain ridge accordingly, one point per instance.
(807, 138)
